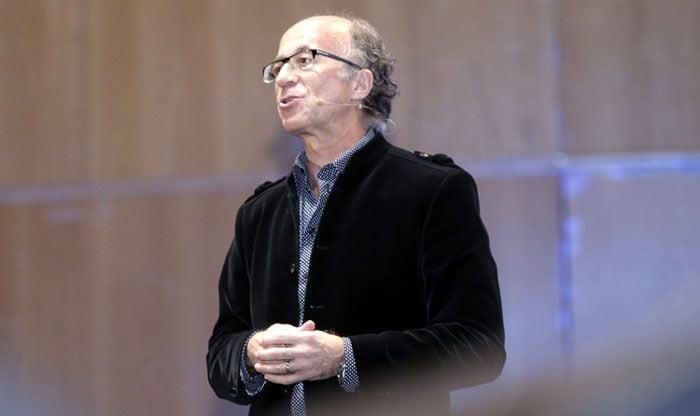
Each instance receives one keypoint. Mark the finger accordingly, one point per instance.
(277, 368)
(286, 339)
(276, 354)
(280, 327)
(280, 369)
(308, 326)
(267, 336)
(289, 374)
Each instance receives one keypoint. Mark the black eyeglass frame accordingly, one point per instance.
(314, 52)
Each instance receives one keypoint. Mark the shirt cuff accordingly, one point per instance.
(253, 383)
(349, 379)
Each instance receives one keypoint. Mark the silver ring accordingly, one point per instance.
(286, 367)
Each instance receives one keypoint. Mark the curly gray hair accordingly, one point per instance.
(368, 50)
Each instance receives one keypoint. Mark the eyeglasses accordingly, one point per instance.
(302, 60)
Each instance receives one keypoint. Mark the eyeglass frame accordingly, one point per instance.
(314, 52)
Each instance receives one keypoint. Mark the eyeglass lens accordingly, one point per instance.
(302, 60)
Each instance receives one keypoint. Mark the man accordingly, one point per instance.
(363, 281)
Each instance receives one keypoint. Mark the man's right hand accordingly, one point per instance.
(275, 329)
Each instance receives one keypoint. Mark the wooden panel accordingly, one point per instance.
(249, 136)
(525, 248)
(111, 301)
(637, 240)
(46, 313)
(169, 101)
(42, 91)
(631, 75)
(151, 89)
(521, 215)
(635, 290)
(480, 83)
(156, 269)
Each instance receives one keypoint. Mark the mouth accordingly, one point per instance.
(287, 100)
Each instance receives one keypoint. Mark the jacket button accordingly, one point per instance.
(292, 268)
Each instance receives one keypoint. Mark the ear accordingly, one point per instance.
(364, 81)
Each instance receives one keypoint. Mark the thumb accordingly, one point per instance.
(308, 326)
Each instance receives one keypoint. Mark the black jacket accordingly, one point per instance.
(401, 266)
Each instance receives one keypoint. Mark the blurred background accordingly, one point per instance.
(131, 131)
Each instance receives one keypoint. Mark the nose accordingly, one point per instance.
(286, 76)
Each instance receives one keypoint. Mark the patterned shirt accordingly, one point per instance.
(311, 209)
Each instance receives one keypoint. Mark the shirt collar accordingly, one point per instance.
(334, 168)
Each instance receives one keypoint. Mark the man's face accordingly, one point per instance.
(298, 92)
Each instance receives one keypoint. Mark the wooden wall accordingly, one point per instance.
(130, 132)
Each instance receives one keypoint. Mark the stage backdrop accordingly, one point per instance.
(131, 131)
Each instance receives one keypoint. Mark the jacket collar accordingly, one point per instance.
(358, 165)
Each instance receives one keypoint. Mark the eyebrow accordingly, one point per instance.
(299, 49)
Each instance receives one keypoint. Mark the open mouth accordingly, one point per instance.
(287, 100)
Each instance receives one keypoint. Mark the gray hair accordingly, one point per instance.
(368, 50)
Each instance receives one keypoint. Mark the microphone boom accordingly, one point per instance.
(321, 101)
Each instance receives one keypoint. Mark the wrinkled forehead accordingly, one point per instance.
(329, 33)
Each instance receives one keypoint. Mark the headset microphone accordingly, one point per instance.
(321, 101)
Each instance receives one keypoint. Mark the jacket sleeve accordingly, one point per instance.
(232, 327)
(462, 343)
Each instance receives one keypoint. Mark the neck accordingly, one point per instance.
(323, 149)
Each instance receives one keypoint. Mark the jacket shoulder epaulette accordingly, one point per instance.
(438, 158)
(262, 188)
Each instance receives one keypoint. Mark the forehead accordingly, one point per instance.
(324, 32)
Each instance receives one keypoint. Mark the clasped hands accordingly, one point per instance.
(287, 354)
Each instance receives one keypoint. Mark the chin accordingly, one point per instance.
(293, 127)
